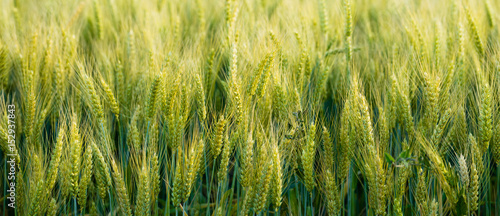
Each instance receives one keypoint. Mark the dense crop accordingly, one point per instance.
(243, 107)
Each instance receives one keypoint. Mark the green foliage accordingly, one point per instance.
(236, 107)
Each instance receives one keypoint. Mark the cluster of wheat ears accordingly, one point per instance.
(243, 107)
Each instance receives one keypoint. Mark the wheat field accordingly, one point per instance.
(249, 107)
